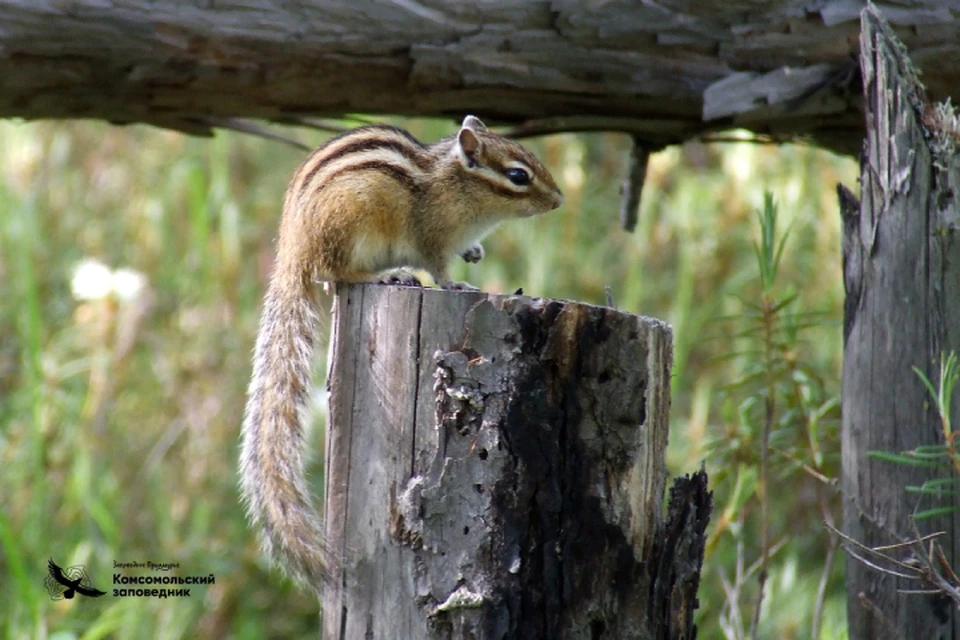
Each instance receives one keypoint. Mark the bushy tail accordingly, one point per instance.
(272, 478)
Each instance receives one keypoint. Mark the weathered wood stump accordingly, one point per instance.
(902, 279)
(495, 469)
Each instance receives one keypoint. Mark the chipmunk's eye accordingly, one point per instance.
(517, 176)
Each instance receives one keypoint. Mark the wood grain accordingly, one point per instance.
(663, 71)
(496, 470)
(902, 277)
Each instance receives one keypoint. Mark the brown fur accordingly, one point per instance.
(271, 464)
(366, 201)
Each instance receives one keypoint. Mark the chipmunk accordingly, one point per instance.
(371, 199)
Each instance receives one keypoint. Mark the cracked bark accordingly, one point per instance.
(664, 72)
(496, 470)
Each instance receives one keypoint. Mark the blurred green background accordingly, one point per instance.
(132, 262)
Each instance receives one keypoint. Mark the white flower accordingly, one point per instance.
(127, 284)
(92, 280)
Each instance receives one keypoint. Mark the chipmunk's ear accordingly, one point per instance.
(468, 141)
(473, 123)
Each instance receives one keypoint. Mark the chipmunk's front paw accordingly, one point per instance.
(473, 254)
(401, 278)
(458, 286)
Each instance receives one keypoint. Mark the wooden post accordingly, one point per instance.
(496, 470)
(902, 278)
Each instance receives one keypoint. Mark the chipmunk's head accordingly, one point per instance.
(508, 178)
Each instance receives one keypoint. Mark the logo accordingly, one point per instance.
(66, 583)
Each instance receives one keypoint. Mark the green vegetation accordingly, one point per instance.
(122, 383)
(934, 455)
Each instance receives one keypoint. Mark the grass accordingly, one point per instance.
(119, 415)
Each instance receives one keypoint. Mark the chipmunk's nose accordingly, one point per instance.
(557, 199)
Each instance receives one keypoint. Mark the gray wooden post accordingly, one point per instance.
(902, 278)
(496, 470)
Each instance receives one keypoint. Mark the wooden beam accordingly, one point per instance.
(661, 72)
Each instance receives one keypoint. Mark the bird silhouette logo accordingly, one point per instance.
(66, 583)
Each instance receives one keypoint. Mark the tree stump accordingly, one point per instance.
(495, 469)
(902, 279)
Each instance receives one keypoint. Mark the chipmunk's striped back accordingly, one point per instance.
(376, 147)
(365, 201)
